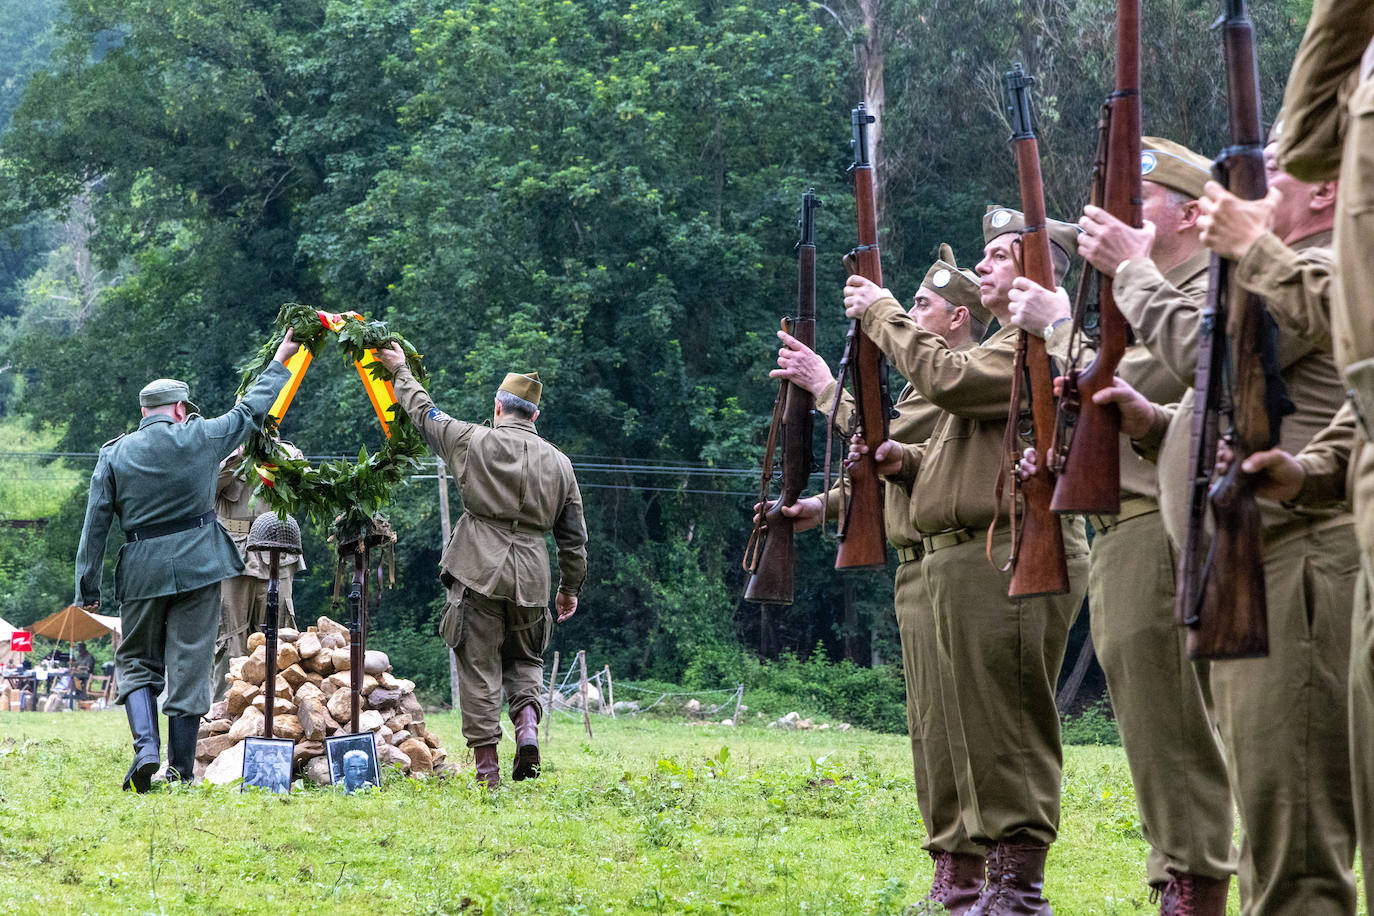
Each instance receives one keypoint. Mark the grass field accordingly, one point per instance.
(650, 817)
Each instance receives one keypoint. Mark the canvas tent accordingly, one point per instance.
(73, 624)
(7, 658)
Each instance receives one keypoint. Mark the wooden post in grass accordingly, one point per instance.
(553, 679)
(610, 691)
(582, 688)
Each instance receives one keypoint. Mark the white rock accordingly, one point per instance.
(227, 767)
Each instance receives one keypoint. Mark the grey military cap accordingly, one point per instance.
(166, 391)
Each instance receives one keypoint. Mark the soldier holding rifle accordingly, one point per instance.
(1330, 105)
(159, 482)
(1156, 693)
(1282, 718)
(948, 305)
(1000, 657)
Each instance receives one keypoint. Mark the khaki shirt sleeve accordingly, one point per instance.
(1296, 286)
(1326, 461)
(570, 536)
(448, 438)
(1324, 71)
(843, 413)
(974, 383)
(1148, 445)
(90, 554)
(1165, 318)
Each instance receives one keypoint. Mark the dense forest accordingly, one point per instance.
(604, 191)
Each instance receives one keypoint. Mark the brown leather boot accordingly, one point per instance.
(958, 880)
(1016, 879)
(488, 767)
(1193, 895)
(526, 743)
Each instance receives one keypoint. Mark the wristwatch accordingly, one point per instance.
(1049, 328)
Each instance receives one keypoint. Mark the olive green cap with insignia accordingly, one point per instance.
(1174, 166)
(1001, 220)
(955, 286)
(527, 387)
(166, 391)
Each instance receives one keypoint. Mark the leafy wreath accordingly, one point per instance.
(350, 494)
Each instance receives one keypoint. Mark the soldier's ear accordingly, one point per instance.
(536, 415)
(1323, 195)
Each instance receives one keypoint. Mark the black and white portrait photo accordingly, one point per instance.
(267, 763)
(353, 761)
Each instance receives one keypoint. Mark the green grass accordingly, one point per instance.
(650, 817)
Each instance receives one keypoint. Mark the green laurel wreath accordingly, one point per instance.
(350, 494)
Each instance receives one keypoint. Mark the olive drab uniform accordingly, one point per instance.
(999, 657)
(1175, 757)
(1282, 718)
(515, 487)
(937, 795)
(243, 598)
(159, 482)
(1329, 127)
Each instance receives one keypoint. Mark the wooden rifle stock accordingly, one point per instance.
(771, 558)
(1090, 479)
(1223, 601)
(863, 540)
(1039, 566)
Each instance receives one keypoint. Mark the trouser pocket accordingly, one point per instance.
(451, 625)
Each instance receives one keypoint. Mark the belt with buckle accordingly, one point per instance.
(951, 538)
(176, 527)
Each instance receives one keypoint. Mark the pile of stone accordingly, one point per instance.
(313, 700)
(794, 721)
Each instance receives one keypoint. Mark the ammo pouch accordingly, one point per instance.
(1360, 377)
(451, 623)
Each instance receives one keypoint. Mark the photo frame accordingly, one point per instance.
(353, 761)
(267, 764)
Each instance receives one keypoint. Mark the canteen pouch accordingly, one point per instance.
(451, 624)
(1360, 377)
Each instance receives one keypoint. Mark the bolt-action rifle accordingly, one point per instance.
(770, 556)
(863, 540)
(1038, 565)
(1089, 472)
(1238, 389)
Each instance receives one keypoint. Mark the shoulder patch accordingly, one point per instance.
(438, 416)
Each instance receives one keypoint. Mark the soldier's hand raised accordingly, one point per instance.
(391, 356)
(287, 348)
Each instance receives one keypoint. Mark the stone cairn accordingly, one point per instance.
(313, 701)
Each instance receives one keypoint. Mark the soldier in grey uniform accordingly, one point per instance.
(159, 482)
(515, 487)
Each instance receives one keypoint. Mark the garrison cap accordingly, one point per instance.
(527, 386)
(1174, 166)
(166, 391)
(955, 286)
(1001, 220)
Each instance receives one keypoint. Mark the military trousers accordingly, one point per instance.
(169, 642)
(1157, 694)
(500, 647)
(937, 794)
(1362, 669)
(1000, 661)
(1283, 722)
(243, 609)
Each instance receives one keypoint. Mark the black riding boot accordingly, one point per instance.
(181, 747)
(141, 707)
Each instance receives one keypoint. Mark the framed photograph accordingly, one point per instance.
(353, 761)
(267, 764)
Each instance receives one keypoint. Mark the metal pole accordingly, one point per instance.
(553, 679)
(357, 610)
(610, 691)
(269, 630)
(582, 686)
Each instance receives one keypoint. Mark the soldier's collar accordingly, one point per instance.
(1196, 264)
(517, 422)
(155, 418)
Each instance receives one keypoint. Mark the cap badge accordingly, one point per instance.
(940, 278)
(1147, 163)
(1000, 218)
